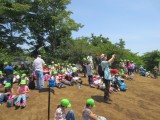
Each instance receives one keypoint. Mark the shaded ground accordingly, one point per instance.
(140, 102)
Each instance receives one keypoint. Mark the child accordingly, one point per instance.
(24, 77)
(8, 91)
(75, 78)
(155, 72)
(123, 86)
(87, 114)
(22, 92)
(16, 77)
(55, 78)
(90, 74)
(1, 79)
(60, 113)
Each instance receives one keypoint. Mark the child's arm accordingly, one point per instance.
(93, 116)
(18, 91)
(27, 90)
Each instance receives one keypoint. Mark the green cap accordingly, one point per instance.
(62, 71)
(54, 72)
(5, 63)
(15, 72)
(7, 84)
(84, 59)
(74, 70)
(0, 72)
(49, 66)
(155, 67)
(90, 101)
(73, 65)
(23, 75)
(116, 74)
(65, 102)
(23, 82)
(56, 65)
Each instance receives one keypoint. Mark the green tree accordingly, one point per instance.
(151, 59)
(50, 24)
(11, 24)
(121, 44)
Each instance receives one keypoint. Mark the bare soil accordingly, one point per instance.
(140, 102)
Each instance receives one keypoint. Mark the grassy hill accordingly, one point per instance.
(140, 102)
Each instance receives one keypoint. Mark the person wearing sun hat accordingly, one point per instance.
(16, 77)
(60, 113)
(87, 113)
(1, 79)
(155, 72)
(22, 91)
(7, 91)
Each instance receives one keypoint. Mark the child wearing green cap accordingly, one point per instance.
(87, 113)
(1, 79)
(155, 72)
(60, 113)
(22, 91)
(16, 77)
(7, 91)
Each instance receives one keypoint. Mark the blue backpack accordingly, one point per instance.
(52, 83)
(123, 86)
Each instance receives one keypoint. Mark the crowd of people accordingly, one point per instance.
(62, 75)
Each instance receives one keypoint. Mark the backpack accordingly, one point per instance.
(11, 101)
(52, 83)
(31, 84)
(123, 86)
(100, 71)
(1, 98)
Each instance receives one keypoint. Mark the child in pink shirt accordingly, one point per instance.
(22, 94)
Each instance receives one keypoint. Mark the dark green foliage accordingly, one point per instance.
(31, 27)
(151, 59)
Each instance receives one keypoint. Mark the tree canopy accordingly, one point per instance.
(31, 27)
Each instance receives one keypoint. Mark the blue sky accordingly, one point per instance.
(137, 22)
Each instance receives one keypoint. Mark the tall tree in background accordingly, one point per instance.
(151, 59)
(121, 44)
(11, 24)
(50, 24)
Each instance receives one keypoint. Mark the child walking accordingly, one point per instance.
(22, 94)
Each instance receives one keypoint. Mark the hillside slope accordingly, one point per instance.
(140, 102)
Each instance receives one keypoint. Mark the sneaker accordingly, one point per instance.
(23, 107)
(17, 107)
(108, 101)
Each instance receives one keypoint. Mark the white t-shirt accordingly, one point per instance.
(89, 70)
(38, 64)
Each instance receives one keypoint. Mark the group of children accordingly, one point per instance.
(87, 114)
(18, 99)
(144, 72)
(7, 78)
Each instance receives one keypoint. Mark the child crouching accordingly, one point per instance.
(22, 94)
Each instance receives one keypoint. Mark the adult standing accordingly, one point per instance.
(38, 64)
(107, 75)
(8, 70)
